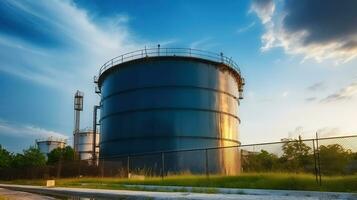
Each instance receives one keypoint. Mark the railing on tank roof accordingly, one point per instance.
(51, 139)
(156, 52)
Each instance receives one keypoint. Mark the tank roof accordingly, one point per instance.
(51, 139)
(173, 53)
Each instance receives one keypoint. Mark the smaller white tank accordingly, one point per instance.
(84, 144)
(48, 144)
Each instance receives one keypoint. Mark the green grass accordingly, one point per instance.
(254, 181)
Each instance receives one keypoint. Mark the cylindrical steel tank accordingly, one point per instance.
(84, 144)
(49, 144)
(172, 99)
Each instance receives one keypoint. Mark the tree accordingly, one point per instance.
(260, 162)
(5, 158)
(297, 156)
(31, 157)
(334, 159)
(55, 155)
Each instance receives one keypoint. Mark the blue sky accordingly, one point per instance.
(299, 60)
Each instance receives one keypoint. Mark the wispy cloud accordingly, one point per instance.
(329, 132)
(343, 94)
(27, 130)
(294, 134)
(204, 43)
(319, 86)
(322, 132)
(310, 99)
(246, 28)
(319, 30)
(57, 44)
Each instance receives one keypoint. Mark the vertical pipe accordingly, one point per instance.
(162, 165)
(94, 145)
(242, 162)
(78, 106)
(76, 130)
(315, 162)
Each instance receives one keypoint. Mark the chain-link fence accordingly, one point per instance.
(334, 156)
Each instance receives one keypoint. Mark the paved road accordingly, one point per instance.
(17, 195)
(128, 194)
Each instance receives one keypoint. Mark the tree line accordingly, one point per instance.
(32, 157)
(295, 156)
(298, 157)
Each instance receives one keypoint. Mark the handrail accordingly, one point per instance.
(157, 52)
(52, 139)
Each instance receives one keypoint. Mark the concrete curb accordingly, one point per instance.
(266, 192)
(227, 194)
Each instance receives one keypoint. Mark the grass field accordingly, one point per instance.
(254, 181)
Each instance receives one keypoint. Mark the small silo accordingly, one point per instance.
(169, 99)
(48, 144)
(84, 144)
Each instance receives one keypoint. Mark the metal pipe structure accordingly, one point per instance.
(95, 124)
(78, 107)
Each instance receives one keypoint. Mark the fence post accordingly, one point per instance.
(59, 166)
(318, 157)
(315, 161)
(128, 166)
(79, 168)
(162, 165)
(206, 163)
(102, 169)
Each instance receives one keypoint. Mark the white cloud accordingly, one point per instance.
(26, 130)
(64, 47)
(264, 9)
(303, 30)
(82, 45)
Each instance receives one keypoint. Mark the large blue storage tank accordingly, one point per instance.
(168, 102)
